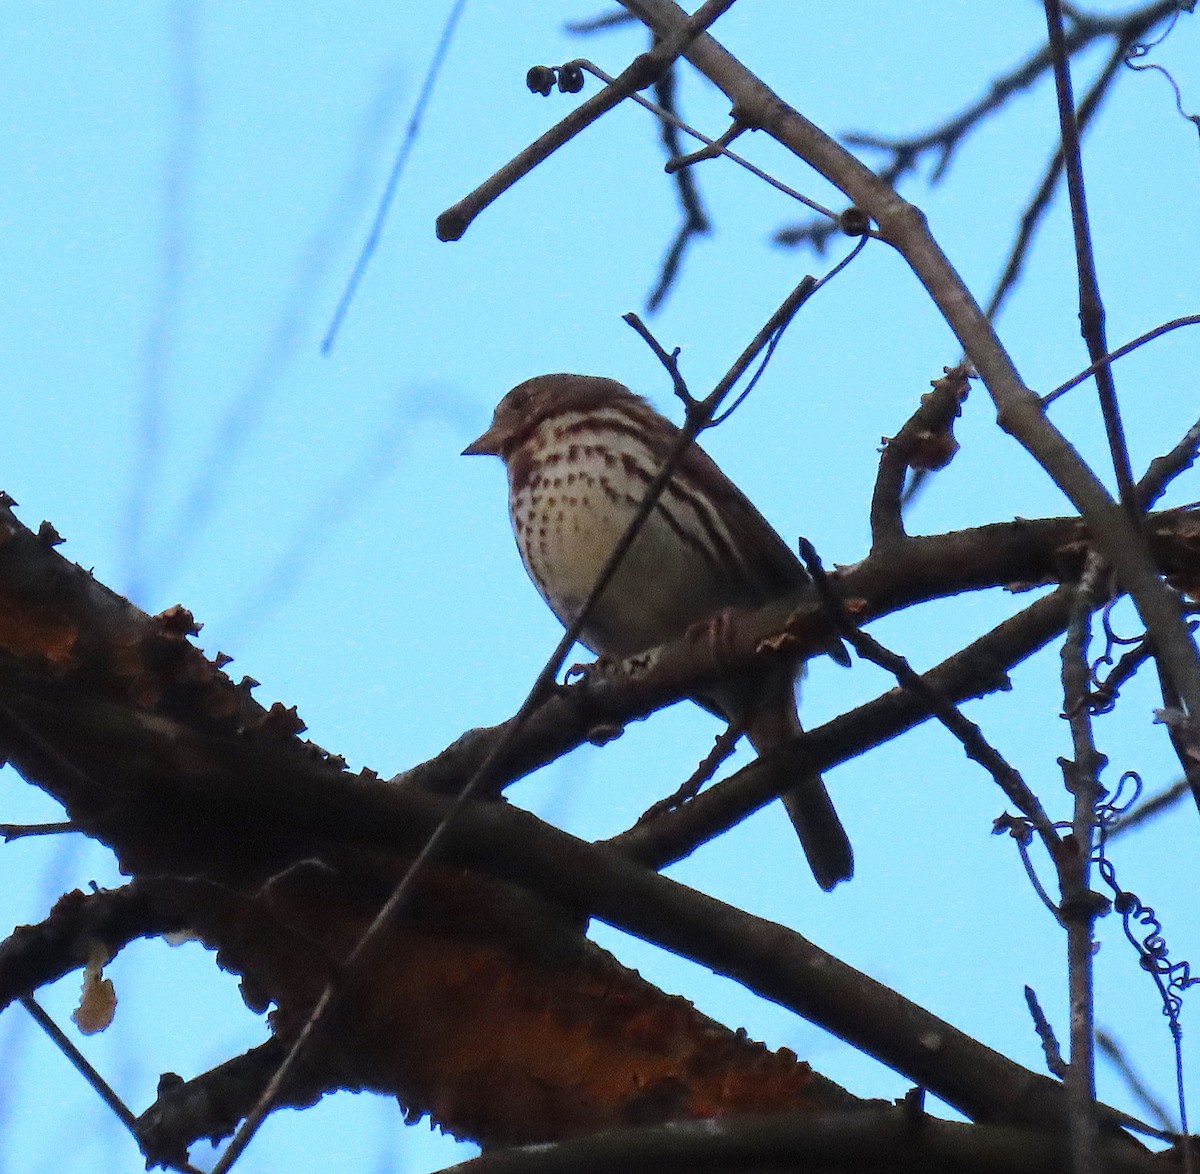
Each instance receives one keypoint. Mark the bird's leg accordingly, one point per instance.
(716, 631)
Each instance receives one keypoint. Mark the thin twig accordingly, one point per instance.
(723, 747)
(80, 1062)
(1054, 1060)
(1120, 353)
(1020, 832)
(669, 359)
(85, 1069)
(18, 831)
(393, 179)
(713, 147)
(1080, 906)
(1091, 305)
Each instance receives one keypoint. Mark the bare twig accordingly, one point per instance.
(81, 1064)
(1120, 352)
(1164, 469)
(393, 180)
(713, 148)
(1054, 1061)
(723, 747)
(641, 72)
(1021, 832)
(18, 831)
(1080, 905)
(1091, 305)
(79, 1061)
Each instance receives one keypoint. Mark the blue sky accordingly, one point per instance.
(185, 188)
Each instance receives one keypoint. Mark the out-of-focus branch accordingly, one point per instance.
(1039, 203)
(1110, 1048)
(1151, 807)
(695, 219)
(944, 140)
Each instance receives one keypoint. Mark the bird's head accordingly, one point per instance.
(539, 399)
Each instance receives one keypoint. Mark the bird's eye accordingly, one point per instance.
(518, 401)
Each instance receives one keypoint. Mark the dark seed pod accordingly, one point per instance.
(540, 80)
(854, 222)
(570, 79)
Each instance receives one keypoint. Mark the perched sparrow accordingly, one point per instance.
(580, 452)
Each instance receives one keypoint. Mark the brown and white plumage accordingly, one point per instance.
(580, 452)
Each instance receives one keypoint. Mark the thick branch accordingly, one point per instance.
(34, 955)
(882, 1141)
(261, 784)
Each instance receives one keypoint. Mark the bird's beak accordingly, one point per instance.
(486, 445)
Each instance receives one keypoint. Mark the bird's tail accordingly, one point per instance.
(822, 836)
(820, 830)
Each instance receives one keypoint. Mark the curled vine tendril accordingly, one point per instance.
(1137, 52)
(1106, 690)
(1142, 926)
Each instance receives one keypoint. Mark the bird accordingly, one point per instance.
(580, 451)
